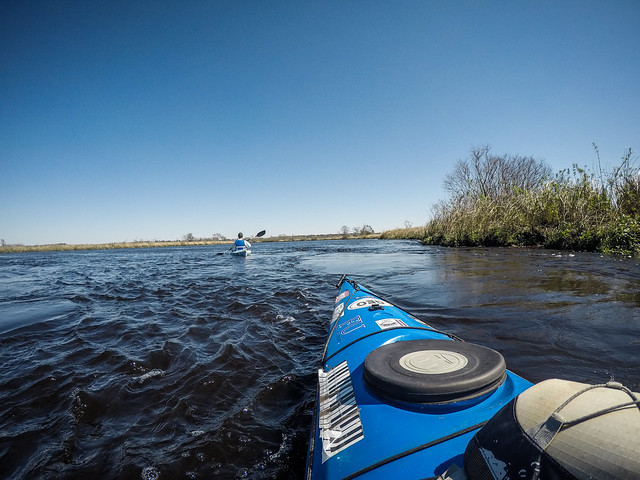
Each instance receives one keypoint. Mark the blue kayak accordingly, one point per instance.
(398, 399)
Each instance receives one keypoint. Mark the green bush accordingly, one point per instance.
(621, 237)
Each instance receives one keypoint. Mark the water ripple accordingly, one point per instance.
(179, 363)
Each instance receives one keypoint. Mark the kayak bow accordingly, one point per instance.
(398, 399)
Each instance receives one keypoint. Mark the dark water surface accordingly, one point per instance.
(173, 363)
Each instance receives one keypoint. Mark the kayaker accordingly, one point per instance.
(241, 243)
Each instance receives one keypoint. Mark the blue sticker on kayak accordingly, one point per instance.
(350, 325)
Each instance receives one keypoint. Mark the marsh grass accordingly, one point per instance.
(103, 246)
(576, 210)
(412, 233)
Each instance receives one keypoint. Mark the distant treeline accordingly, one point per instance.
(516, 201)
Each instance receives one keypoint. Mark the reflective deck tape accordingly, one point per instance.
(339, 415)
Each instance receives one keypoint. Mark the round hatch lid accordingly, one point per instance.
(433, 371)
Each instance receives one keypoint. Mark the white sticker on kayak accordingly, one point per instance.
(337, 312)
(339, 416)
(390, 323)
(366, 302)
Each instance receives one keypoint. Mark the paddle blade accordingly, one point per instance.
(260, 234)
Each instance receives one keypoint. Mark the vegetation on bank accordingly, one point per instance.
(496, 201)
(102, 246)
(407, 233)
(356, 235)
(515, 201)
(187, 241)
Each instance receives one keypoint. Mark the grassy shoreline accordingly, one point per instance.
(575, 211)
(617, 238)
(62, 247)
(621, 238)
(514, 201)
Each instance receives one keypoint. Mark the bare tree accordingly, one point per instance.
(486, 175)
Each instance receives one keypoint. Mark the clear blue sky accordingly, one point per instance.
(127, 120)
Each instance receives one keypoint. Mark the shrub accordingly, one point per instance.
(621, 237)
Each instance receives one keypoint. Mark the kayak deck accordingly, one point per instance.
(377, 431)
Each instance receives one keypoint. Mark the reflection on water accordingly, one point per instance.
(181, 363)
(575, 284)
(569, 315)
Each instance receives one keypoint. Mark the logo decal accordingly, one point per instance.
(366, 302)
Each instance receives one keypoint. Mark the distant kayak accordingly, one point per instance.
(241, 249)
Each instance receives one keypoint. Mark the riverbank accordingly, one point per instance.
(490, 226)
(514, 201)
(102, 246)
(175, 243)
(617, 238)
(621, 237)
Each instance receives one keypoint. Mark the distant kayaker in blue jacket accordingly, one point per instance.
(241, 243)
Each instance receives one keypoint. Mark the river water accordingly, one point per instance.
(173, 363)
